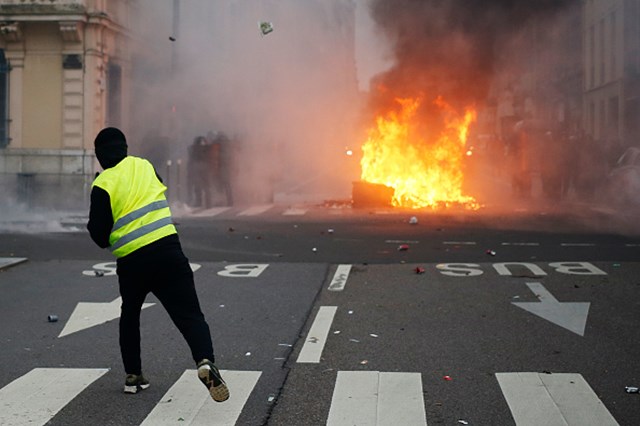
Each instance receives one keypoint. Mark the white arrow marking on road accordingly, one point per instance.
(570, 315)
(87, 315)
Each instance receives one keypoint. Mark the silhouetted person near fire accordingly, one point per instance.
(221, 158)
(199, 173)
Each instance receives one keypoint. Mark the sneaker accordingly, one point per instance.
(210, 376)
(134, 383)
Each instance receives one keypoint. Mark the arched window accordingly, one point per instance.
(4, 100)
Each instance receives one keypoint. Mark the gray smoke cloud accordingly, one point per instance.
(287, 98)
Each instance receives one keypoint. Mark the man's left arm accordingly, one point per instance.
(100, 217)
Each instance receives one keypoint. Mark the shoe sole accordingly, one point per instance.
(218, 393)
(135, 388)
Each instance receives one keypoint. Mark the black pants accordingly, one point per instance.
(162, 269)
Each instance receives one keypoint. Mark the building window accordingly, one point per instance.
(114, 95)
(613, 45)
(4, 100)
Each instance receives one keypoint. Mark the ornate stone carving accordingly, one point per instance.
(70, 30)
(11, 31)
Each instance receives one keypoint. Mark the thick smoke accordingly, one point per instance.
(451, 48)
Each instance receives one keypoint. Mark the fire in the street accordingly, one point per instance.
(423, 173)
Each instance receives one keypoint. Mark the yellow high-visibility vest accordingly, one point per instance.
(141, 213)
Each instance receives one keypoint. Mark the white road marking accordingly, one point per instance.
(36, 397)
(553, 399)
(317, 337)
(520, 244)
(295, 211)
(215, 211)
(5, 262)
(187, 402)
(375, 398)
(87, 315)
(402, 242)
(256, 210)
(340, 278)
(460, 243)
(577, 244)
(632, 245)
(570, 315)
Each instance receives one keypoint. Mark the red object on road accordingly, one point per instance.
(419, 270)
(403, 247)
(447, 378)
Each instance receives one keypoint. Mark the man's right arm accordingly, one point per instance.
(100, 217)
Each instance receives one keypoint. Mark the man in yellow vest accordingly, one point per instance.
(130, 216)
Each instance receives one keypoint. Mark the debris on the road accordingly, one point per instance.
(231, 229)
(490, 252)
(98, 273)
(314, 250)
(354, 340)
(313, 340)
(247, 354)
(288, 345)
(419, 270)
(222, 306)
(403, 247)
(447, 378)
(413, 220)
(631, 389)
(271, 398)
(463, 422)
(52, 318)
(373, 335)
(330, 230)
(172, 38)
(350, 312)
(265, 27)
(364, 362)
(336, 332)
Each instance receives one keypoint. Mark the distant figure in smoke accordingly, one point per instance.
(550, 164)
(519, 150)
(592, 168)
(131, 217)
(200, 173)
(222, 159)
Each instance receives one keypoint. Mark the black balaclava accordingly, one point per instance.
(110, 146)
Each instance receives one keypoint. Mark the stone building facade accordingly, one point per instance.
(611, 69)
(64, 73)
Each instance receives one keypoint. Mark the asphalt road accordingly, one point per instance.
(473, 338)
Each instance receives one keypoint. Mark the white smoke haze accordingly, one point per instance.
(288, 99)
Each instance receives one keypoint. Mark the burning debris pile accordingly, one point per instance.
(447, 54)
(423, 172)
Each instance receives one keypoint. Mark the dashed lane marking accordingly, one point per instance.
(317, 337)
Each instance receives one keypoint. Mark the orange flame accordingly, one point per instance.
(422, 173)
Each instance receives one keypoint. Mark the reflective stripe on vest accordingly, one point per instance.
(143, 230)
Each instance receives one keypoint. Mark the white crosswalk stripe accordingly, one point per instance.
(295, 211)
(36, 397)
(375, 398)
(255, 210)
(553, 399)
(185, 403)
(359, 398)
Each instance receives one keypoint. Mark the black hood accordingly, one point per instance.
(110, 147)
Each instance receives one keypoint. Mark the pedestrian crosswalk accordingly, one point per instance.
(359, 398)
(39, 395)
(186, 403)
